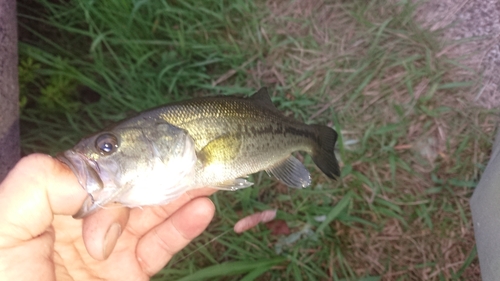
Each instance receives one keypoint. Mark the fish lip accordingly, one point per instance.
(87, 175)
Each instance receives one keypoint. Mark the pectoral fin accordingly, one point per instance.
(218, 156)
(221, 150)
(291, 172)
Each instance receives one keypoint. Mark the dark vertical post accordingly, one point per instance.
(9, 89)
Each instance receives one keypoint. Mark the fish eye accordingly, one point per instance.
(106, 144)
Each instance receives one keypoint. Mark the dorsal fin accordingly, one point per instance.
(262, 98)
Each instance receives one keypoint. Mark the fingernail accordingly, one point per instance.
(110, 239)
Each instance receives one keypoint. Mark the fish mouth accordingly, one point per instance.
(87, 173)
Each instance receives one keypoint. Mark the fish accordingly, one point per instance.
(154, 157)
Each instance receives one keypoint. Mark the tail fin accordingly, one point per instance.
(323, 155)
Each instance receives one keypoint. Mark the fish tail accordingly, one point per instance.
(323, 154)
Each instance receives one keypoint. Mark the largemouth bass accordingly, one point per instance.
(157, 155)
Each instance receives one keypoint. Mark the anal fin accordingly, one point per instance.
(291, 172)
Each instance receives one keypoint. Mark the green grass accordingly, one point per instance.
(412, 146)
(135, 56)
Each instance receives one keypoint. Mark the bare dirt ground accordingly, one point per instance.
(478, 23)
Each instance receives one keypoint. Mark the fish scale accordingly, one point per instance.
(266, 137)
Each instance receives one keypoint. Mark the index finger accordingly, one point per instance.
(144, 219)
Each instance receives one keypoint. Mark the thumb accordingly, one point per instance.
(36, 189)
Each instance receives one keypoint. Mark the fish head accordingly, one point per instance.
(128, 164)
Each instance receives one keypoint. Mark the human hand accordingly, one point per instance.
(39, 240)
